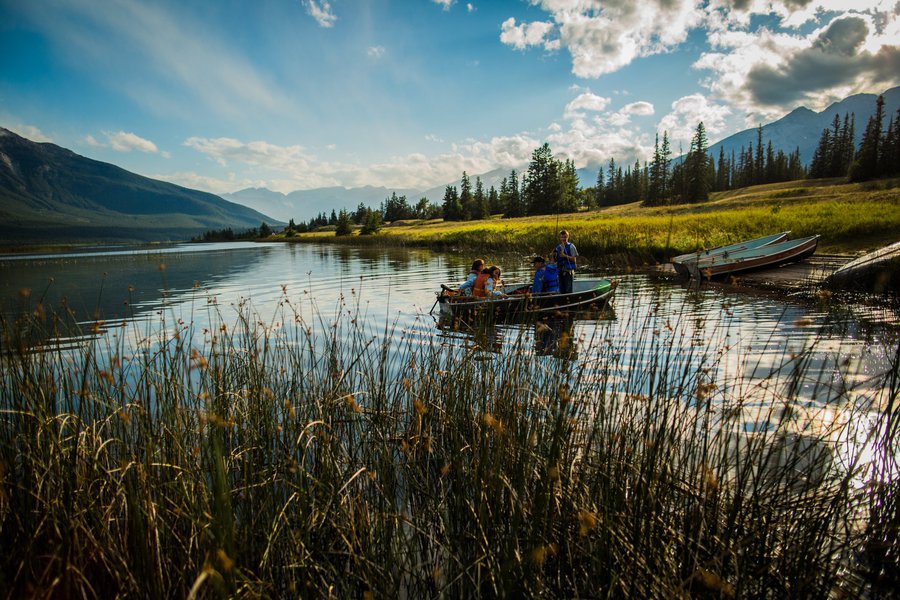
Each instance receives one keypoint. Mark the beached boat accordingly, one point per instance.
(587, 294)
(767, 256)
(878, 271)
(682, 261)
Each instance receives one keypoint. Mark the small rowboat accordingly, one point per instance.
(682, 261)
(587, 294)
(878, 271)
(770, 255)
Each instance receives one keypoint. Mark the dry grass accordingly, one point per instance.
(849, 217)
(316, 460)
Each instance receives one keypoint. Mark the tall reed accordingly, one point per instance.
(301, 456)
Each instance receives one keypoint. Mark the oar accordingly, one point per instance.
(443, 287)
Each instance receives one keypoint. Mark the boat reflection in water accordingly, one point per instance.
(548, 334)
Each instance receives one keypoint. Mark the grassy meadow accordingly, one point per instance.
(850, 217)
(310, 461)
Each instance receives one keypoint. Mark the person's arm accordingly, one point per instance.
(538, 281)
(468, 283)
(489, 288)
(574, 253)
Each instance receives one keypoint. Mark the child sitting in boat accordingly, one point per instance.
(487, 283)
(469, 284)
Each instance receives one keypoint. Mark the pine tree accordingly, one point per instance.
(697, 167)
(453, 210)
(514, 206)
(567, 201)
(494, 201)
(344, 226)
(480, 208)
(722, 171)
(866, 165)
(540, 186)
(466, 200)
(599, 189)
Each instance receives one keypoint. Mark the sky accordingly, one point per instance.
(222, 95)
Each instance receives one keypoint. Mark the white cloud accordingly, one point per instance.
(470, 7)
(289, 168)
(446, 4)
(375, 52)
(624, 114)
(765, 73)
(31, 132)
(123, 141)
(522, 36)
(604, 38)
(687, 112)
(320, 10)
(586, 101)
(258, 153)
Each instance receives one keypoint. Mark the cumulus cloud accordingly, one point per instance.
(624, 114)
(288, 168)
(586, 101)
(446, 4)
(320, 10)
(687, 112)
(767, 72)
(604, 38)
(525, 35)
(375, 52)
(123, 141)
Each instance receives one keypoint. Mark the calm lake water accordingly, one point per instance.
(735, 341)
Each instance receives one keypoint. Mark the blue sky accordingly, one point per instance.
(221, 95)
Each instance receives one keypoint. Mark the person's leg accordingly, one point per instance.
(565, 282)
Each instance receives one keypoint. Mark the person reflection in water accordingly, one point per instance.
(555, 337)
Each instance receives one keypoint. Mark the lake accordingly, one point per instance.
(731, 339)
(277, 400)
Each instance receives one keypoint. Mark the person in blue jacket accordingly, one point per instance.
(565, 256)
(545, 276)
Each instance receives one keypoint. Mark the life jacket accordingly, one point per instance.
(479, 290)
(550, 282)
(564, 263)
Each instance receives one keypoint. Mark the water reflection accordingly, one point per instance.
(548, 335)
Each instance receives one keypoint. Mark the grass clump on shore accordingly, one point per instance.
(849, 217)
(297, 457)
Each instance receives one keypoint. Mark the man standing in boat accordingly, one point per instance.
(565, 255)
(546, 278)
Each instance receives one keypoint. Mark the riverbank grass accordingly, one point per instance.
(299, 457)
(850, 217)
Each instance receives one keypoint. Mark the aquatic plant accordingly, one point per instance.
(302, 456)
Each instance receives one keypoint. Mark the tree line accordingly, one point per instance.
(550, 185)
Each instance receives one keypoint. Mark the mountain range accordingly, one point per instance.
(801, 128)
(50, 193)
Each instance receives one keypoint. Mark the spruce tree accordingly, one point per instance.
(540, 185)
(466, 200)
(866, 166)
(697, 167)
